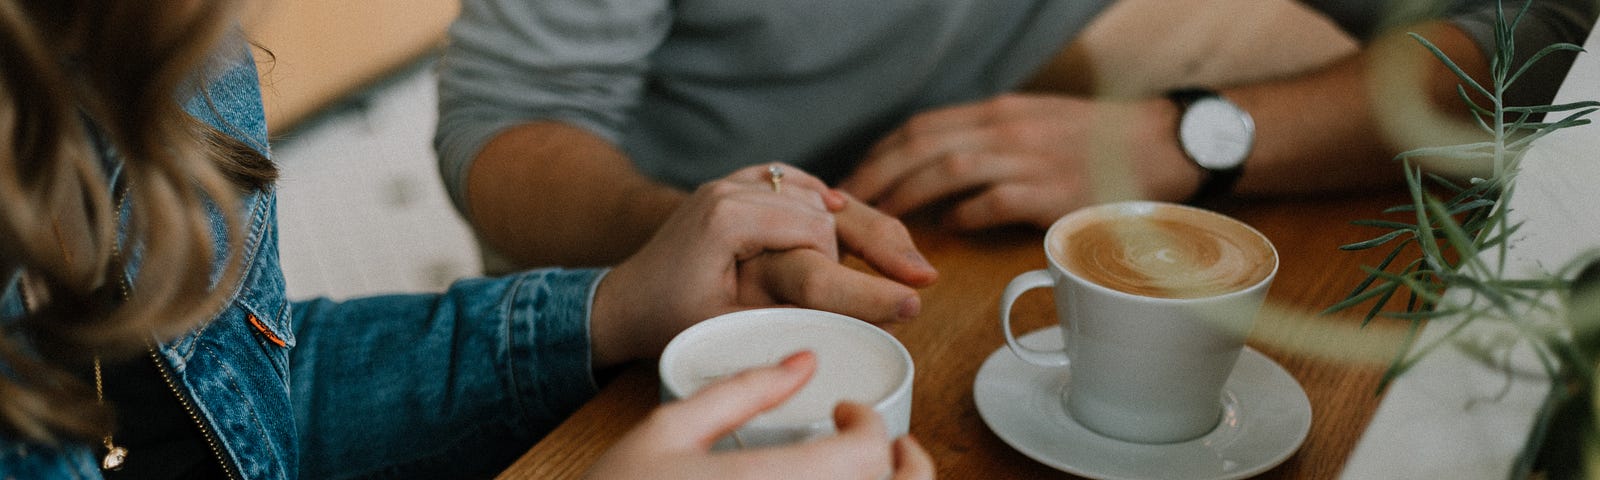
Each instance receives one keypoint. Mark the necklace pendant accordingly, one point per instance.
(114, 459)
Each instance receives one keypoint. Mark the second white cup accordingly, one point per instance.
(856, 361)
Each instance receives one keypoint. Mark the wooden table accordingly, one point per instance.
(959, 328)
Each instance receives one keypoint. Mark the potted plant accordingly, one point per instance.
(1448, 263)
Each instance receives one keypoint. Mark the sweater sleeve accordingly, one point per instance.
(509, 62)
(1546, 22)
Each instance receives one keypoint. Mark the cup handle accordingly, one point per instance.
(1024, 282)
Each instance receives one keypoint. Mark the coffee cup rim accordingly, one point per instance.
(1147, 205)
(901, 389)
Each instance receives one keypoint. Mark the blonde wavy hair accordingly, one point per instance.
(78, 78)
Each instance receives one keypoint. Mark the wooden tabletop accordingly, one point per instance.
(959, 328)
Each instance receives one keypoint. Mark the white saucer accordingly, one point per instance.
(1266, 416)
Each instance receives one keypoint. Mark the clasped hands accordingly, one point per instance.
(737, 243)
(742, 242)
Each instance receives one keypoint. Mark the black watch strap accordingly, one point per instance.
(1214, 183)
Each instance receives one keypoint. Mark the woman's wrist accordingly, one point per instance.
(607, 339)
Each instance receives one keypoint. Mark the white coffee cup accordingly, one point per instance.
(856, 361)
(1155, 301)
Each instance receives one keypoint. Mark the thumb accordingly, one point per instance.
(721, 407)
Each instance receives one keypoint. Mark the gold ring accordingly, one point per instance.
(775, 175)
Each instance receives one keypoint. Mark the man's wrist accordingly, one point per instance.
(1216, 136)
(644, 208)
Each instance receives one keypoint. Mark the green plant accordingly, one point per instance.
(1462, 233)
(1452, 234)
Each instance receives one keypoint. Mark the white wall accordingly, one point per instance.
(360, 205)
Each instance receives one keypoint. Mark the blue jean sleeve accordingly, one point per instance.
(440, 386)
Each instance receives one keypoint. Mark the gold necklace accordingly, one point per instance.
(115, 455)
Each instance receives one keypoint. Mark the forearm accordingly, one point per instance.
(1339, 128)
(537, 191)
(547, 193)
(480, 371)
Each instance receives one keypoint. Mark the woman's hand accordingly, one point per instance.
(1026, 159)
(674, 442)
(736, 244)
(808, 278)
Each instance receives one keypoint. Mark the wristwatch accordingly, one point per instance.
(1216, 135)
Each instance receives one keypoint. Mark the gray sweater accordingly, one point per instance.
(694, 89)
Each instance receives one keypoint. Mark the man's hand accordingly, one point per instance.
(1025, 159)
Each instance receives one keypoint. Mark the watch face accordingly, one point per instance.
(1216, 133)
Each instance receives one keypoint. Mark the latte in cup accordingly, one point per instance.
(1154, 301)
(1163, 251)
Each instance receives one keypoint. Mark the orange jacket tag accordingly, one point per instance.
(262, 329)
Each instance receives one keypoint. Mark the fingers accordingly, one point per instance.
(756, 220)
(878, 238)
(852, 419)
(932, 124)
(860, 450)
(859, 425)
(808, 279)
(791, 182)
(789, 178)
(718, 409)
(883, 242)
(922, 139)
(1013, 203)
(911, 461)
(786, 180)
(949, 175)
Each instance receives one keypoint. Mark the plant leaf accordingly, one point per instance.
(1380, 240)
(1473, 151)
(1447, 183)
(1467, 79)
(1377, 307)
(1388, 224)
(1590, 104)
(1523, 142)
(1559, 47)
(1427, 240)
(1471, 205)
(1357, 299)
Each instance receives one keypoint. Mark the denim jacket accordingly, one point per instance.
(422, 386)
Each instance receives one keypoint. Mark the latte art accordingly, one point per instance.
(1168, 253)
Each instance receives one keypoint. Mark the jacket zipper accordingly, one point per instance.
(188, 407)
(161, 366)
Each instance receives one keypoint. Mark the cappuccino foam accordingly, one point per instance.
(1165, 251)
